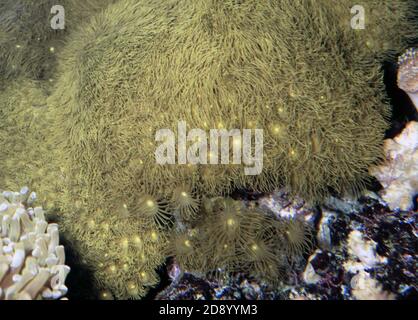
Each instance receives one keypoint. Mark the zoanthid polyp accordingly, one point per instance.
(292, 68)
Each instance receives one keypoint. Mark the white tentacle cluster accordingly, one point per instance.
(32, 263)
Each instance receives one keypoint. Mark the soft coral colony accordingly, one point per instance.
(293, 68)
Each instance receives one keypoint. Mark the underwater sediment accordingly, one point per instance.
(293, 68)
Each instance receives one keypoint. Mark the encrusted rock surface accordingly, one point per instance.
(363, 250)
(399, 173)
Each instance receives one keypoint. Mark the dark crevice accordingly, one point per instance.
(80, 280)
(164, 282)
(403, 109)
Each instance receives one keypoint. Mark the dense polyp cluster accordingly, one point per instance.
(294, 69)
(234, 237)
(28, 43)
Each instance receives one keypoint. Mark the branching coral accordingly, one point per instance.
(32, 263)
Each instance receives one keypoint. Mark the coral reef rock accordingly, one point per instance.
(32, 263)
(369, 252)
(399, 174)
(363, 251)
(364, 287)
(408, 74)
(237, 286)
